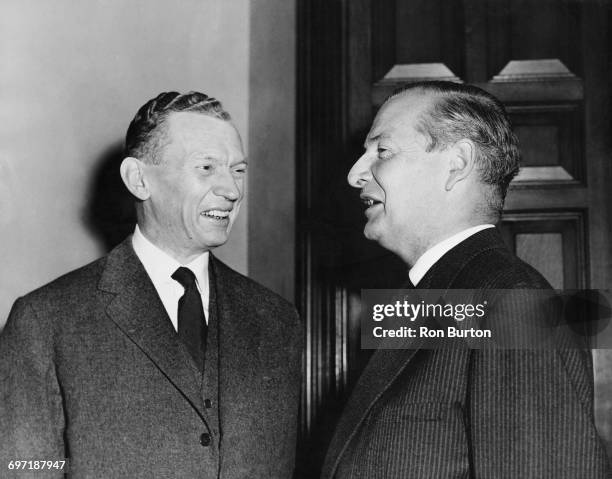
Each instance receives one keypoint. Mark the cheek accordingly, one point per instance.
(406, 204)
(240, 185)
(167, 196)
(400, 194)
(195, 193)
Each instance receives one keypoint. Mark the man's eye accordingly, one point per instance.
(384, 153)
(240, 169)
(204, 167)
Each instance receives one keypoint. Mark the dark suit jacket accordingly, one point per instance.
(91, 368)
(458, 413)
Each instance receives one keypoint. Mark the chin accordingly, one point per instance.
(214, 242)
(375, 234)
(370, 233)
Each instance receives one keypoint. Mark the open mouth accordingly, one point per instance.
(218, 215)
(369, 202)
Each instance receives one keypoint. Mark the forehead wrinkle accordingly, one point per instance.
(219, 141)
(219, 151)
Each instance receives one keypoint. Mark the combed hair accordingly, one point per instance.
(145, 135)
(460, 111)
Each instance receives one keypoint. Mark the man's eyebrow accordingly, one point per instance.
(372, 139)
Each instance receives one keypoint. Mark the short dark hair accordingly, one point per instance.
(144, 138)
(460, 111)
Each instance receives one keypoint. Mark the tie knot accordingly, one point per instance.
(184, 276)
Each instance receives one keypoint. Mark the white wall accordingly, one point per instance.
(72, 75)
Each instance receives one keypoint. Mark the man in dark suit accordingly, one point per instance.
(158, 360)
(437, 163)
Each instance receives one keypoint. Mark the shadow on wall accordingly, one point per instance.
(110, 212)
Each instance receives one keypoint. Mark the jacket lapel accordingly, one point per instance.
(239, 340)
(137, 310)
(238, 330)
(380, 372)
(382, 369)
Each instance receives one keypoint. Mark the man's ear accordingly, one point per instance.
(462, 162)
(132, 175)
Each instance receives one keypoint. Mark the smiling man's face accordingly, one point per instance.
(400, 181)
(197, 187)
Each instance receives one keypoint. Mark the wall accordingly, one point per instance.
(72, 75)
(272, 145)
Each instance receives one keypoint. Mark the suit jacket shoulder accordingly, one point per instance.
(482, 262)
(69, 291)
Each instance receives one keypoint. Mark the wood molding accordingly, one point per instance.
(400, 75)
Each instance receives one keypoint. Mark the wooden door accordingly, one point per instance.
(547, 60)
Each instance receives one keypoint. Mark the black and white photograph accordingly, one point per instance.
(306, 239)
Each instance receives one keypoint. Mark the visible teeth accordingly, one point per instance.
(369, 202)
(216, 214)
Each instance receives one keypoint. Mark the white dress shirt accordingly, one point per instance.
(433, 254)
(160, 267)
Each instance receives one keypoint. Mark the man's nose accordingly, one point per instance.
(228, 186)
(361, 172)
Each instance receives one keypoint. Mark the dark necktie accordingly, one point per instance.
(192, 327)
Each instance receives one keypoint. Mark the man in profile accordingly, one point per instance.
(158, 360)
(437, 164)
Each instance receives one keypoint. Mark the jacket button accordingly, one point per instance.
(207, 403)
(205, 439)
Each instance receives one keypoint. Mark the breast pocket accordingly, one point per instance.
(422, 439)
(419, 411)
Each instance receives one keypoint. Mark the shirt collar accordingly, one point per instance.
(160, 266)
(433, 254)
